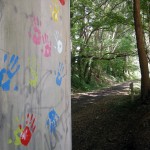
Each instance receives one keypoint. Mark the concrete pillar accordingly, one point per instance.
(35, 105)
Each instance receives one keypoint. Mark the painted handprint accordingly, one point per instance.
(46, 50)
(55, 14)
(62, 2)
(52, 120)
(28, 130)
(34, 81)
(59, 74)
(35, 33)
(16, 133)
(55, 10)
(7, 74)
(59, 45)
(40, 39)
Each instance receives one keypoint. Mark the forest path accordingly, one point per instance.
(80, 100)
(105, 119)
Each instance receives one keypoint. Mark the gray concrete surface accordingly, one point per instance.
(35, 103)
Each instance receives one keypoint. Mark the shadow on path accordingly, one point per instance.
(81, 100)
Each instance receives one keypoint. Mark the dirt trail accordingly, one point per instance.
(83, 99)
(105, 119)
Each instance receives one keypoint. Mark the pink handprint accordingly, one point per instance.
(36, 36)
(28, 130)
(39, 38)
(36, 33)
(46, 50)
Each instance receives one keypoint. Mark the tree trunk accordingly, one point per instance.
(145, 87)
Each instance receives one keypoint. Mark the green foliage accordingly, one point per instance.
(80, 85)
(103, 42)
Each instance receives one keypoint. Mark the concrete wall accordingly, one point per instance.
(35, 106)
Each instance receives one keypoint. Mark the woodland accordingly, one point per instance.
(104, 43)
(110, 44)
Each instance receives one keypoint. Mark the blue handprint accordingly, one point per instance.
(10, 72)
(59, 75)
(52, 120)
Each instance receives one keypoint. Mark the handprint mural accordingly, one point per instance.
(34, 79)
(39, 38)
(24, 135)
(8, 73)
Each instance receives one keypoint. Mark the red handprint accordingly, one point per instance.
(62, 2)
(26, 135)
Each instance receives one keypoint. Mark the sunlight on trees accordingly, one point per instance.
(104, 44)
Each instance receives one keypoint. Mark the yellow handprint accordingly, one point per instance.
(55, 10)
(33, 82)
(17, 133)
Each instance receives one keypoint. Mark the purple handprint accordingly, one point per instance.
(9, 72)
(59, 75)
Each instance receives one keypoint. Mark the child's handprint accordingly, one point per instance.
(62, 2)
(46, 50)
(52, 120)
(55, 10)
(39, 38)
(59, 46)
(32, 65)
(17, 133)
(59, 75)
(34, 81)
(10, 72)
(55, 14)
(28, 130)
(35, 34)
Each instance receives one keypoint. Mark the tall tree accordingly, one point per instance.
(145, 84)
(101, 33)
